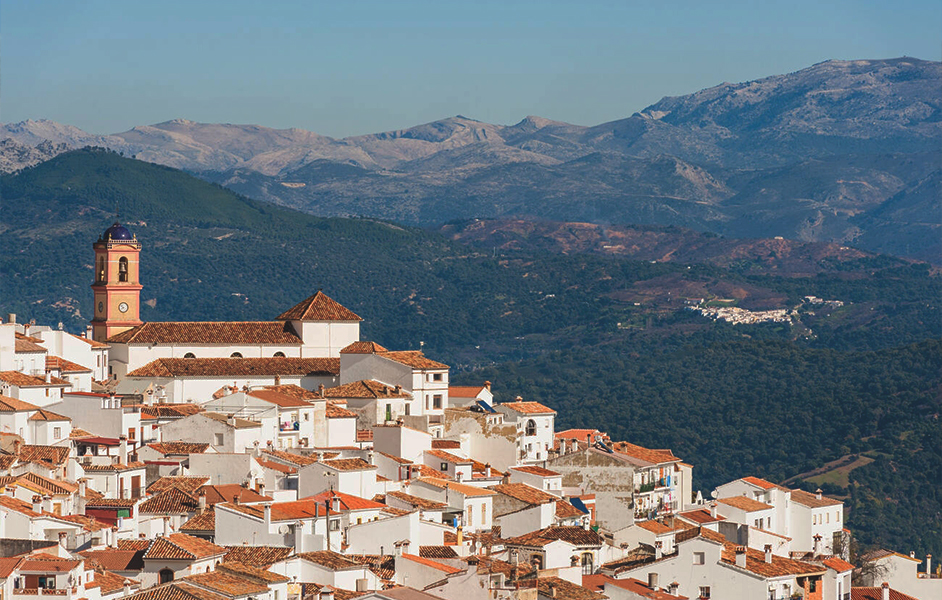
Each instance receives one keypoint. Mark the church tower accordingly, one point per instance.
(117, 286)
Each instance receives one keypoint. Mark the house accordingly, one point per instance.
(473, 503)
(38, 390)
(224, 433)
(352, 476)
(557, 547)
(902, 573)
(374, 402)
(538, 477)
(468, 395)
(302, 525)
(176, 556)
(104, 414)
(535, 425)
(326, 567)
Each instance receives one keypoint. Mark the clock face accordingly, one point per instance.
(123, 307)
(101, 307)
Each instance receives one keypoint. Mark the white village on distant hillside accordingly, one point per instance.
(290, 460)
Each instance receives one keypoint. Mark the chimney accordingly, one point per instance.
(88, 332)
(487, 384)
(562, 446)
(928, 565)
(886, 590)
(82, 491)
(47, 503)
(460, 535)
(326, 594)
(299, 537)
(166, 526)
(123, 449)
(658, 550)
(236, 498)
(277, 379)
(335, 504)
(768, 553)
(741, 556)
(320, 390)
(652, 581)
(552, 590)
(201, 501)
(127, 588)
(713, 509)
(63, 538)
(48, 377)
(230, 420)
(267, 509)
(261, 488)
(11, 318)
(398, 389)
(487, 470)
(369, 456)
(817, 545)
(398, 546)
(817, 493)
(518, 399)
(114, 536)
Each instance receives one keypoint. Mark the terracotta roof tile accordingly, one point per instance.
(182, 546)
(363, 347)
(290, 457)
(23, 380)
(280, 511)
(554, 587)
(179, 448)
(347, 501)
(116, 559)
(366, 388)
(279, 399)
(318, 307)
(110, 582)
(876, 593)
(461, 488)
(64, 366)
(257, 556)
(268, 464)
(209, 332)
(529, 408)
(465, 391)
(440, 552)
(142, 545)
(177, 590)
(291, 389)
(233, 422)
(47, 485)
(228, 584)
(448, 457)
(812, 501)
(251, 572)
(331, 560)
(90, 342)
(838, 564)
(417, 502)
(780, 566)
(413, 358)
(575, 535)
(348, 464)
(335, 412)
(525, 493)
(645, 454)
(24, 346)
(745, 504)
(201, 523)
(8, 404)
(237, 367)
(535, 470)
(169, 411)
(187, 484)
(170, 501)
(226, 492)
(565, 510)
(447, 569)
(762, 483)
(47, 455)
(701, 516)
(47, 415)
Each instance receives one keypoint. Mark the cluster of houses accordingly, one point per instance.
(290, 460)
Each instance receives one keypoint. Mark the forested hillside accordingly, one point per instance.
(609, 341)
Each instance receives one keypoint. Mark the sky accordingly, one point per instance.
(357, 67)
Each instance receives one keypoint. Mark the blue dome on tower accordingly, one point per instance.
(117, 232)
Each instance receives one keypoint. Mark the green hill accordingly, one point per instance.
(606, 340)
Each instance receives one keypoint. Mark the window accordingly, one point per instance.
(698, 558)
(56, 432)
(470, 519)
(335, 525)
(537, 561)
(531, 427)
(101, 268)
(219, 439)
(437, 401)
(444, 467)
(189, 355)
(279, 354)
(827, 517)
(587, 568)
(131, 433)
(483, 514)
(123, 269)
(166, 575)
(704, 592)
(408, 408)
(235, 355)
(437, 377)
(389, 412)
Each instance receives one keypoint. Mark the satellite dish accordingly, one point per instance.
(284, 529)
(713, 494)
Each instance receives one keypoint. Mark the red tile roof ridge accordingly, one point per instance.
(433, 564)
(319, 307)
(413, 358)
(363, 347)
(528, 408)
(744, 503)
(237, 367)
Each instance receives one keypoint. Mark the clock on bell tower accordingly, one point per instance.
(117, 286)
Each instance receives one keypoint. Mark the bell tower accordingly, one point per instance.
(117, 286)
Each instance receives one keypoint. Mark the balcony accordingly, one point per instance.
(289, 427)
(42, 592)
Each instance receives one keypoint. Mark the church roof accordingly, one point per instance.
(318, 307)
(237, 367)
(209, 332)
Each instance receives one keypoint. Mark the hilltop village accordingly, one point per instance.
(291, 460)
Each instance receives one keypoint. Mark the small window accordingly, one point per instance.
(587, 567)
(57, 432)
(279, 354)
(531, 427)
(408, 409)
(483, 514)
(219, 439)
(470, 519)
(235, 355)
(437, 377)
(437, 401)
(189, 355)
(335, 525)
(704, 592)
(698, 558)
(444, 467)
(166, 575)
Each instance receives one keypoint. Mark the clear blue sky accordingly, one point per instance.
(353, 67)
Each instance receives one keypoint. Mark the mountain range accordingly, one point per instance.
(842, 151)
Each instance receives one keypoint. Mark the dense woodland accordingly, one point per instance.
(607, 342)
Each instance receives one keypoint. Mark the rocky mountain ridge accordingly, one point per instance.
(806, 155)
